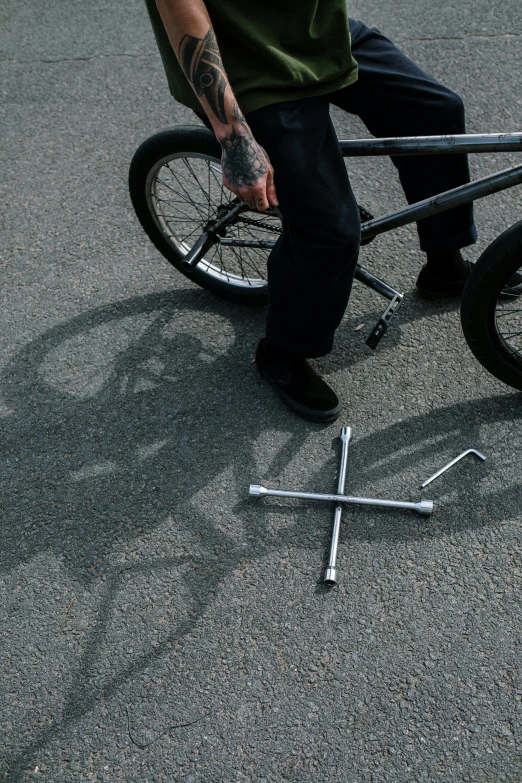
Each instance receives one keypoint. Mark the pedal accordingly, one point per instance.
(383, 324)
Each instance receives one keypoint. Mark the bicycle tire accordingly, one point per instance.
(491, 323)
(235, 274)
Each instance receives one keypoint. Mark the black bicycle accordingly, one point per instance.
(212, 237)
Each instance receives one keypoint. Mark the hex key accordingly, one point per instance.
(449, 465)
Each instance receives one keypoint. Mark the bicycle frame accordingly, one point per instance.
(438, 145)
(422, 145)
(408, 145)
(428, 145)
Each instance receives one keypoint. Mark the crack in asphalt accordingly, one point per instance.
(78, 59)
(86, 58)
(473, 36)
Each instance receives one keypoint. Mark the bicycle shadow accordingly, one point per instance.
(114, 424)
(94, 403)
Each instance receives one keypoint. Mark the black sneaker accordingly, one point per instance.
(300, 387)
(431, 287)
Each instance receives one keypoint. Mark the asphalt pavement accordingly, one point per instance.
(158, 625)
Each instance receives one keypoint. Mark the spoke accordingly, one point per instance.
(223, 270)
(507, 312)
(219, 182)
(261, 275)
(189, 235)
(164, 183)
(254, 265)
(511, 334)
(225, 194)
(207, 195)
(173, 200)
(175, 219)
(251, 265)
(189, 197)
(212, 201)
(182, 201)
(190, 181)
(189, 217)
(179, 177)
(209, 256)
(248, 259)
(239, 258)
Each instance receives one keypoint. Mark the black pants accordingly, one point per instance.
(311, 268)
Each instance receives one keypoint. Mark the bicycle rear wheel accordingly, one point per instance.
(177, 192)
(491, 310)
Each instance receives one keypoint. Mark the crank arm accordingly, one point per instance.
(383, 324)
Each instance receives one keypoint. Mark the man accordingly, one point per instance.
(262, 76)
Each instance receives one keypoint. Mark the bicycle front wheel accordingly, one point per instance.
(176, 189)
(491, 309)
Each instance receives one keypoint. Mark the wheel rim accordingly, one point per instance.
(184, 192)
(507, 318)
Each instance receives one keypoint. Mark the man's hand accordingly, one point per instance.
(247, 170)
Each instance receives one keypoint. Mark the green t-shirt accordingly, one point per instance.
(272, 50)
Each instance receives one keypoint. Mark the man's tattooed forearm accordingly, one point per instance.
(202, 65)
(243, 161)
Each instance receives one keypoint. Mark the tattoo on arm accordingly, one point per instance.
(243, 159)
(202, 65)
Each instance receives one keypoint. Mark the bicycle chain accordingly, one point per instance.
(364, 213)
(260, 224)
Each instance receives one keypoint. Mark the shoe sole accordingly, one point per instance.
(321, 417)
(425, 293)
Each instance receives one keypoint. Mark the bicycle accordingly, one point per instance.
(211, 235)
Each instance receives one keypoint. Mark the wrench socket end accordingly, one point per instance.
(425, 507)
(330, 577)
(346, 434)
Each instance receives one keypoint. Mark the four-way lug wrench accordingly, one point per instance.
(424, 507)
(330, 574)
